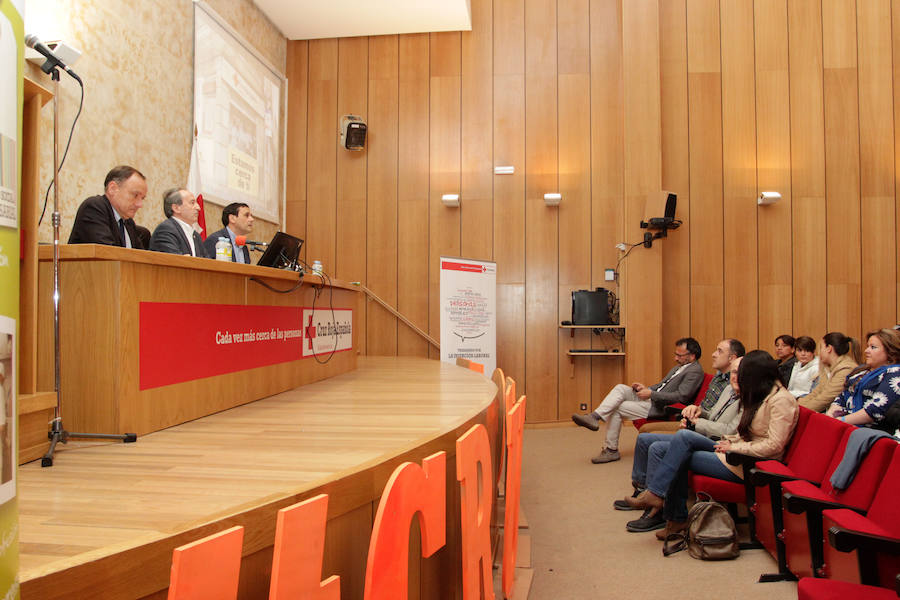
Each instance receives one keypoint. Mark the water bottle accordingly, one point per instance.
(223, 249)
(317, 267)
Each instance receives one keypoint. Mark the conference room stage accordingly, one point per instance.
(102, 523)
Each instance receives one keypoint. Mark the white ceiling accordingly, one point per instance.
(312, 19)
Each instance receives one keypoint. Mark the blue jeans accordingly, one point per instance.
(662, 469)
(642, 449)
(703, 463)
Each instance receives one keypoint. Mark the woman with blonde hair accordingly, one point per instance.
(873, 387)
(838, 356)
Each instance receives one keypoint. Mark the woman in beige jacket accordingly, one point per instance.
(838, 355)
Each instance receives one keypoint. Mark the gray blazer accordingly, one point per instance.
(682, 388)
(728, 411)
(169, 237)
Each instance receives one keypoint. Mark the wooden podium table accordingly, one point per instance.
(101, 290)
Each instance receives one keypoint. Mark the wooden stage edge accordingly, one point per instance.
(103, 521)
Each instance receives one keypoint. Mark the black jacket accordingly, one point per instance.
(95, 223)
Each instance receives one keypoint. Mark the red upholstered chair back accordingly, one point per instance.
(861, 491)
(812, 448)
(885, 508)
(701, 393)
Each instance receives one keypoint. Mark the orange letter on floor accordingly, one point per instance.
(208, 569)
(410, 489)
(299, 548)
(515, 424)
(473, 449)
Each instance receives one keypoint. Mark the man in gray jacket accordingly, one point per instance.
(680, 385)
(652, 450)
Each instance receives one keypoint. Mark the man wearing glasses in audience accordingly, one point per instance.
(634, 402)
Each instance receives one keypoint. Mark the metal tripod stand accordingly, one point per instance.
(57, 432)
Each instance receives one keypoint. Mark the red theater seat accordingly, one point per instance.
(812, 447)
(804, 503)
(864, 549)
(824, 589)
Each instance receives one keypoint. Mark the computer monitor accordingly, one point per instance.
(282, 252)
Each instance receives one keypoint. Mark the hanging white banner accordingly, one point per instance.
(469, 311)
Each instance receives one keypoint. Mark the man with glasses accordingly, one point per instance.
(633, 402)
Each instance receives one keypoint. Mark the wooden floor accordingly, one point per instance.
(101, 499)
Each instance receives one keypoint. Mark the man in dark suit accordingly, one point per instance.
(109, 219)
(633, 402)
(237, 220)
(176, 235)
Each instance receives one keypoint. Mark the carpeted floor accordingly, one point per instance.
(580, 548)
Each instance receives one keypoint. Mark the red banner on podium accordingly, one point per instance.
(183, 341)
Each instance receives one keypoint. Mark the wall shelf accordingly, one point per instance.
(574, 352)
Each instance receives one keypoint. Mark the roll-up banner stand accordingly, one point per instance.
(469, 311)
(12, 60)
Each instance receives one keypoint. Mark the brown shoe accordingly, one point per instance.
(646, 499)
(671, 527)
(606, 456)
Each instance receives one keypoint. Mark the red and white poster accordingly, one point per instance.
(469, 311)
(225, 338)
(326, 330)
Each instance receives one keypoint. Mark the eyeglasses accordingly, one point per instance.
(682, 354)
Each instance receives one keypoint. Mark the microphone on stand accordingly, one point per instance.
(53, 61)
(241, 240)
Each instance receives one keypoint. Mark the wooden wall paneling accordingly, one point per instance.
(841, 167)
(807, 166)
(381, 194)
(574, 211)
(413, 191)
(607, 171)
(541, 221)
(739, 172)
(321, 163)
(297, 73)
(876, 148)
(773, 158)
(509, 190)
(444, 165)
(705, 114)
(676, 253)
(642, 302)
(476, 178)
(350, 253)
(895, 29)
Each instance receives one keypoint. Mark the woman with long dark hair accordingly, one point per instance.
(769, 415)
(838, 356)
(874, 386)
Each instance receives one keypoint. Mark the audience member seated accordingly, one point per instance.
(723, 362)
(237, 220)
(109, 219)
(652, 450)
(873, 387)
(838, 355)
(633, 402)
(785, 354)
(176, 235)
(768, 418)
(806, 369)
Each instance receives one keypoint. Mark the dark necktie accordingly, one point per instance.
(122, 232)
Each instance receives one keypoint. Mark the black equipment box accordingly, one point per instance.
(590, 308)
